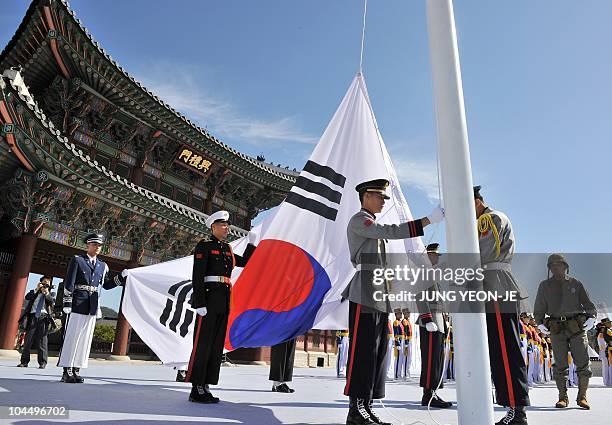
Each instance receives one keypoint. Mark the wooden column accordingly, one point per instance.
(122, 331)
(15, 292)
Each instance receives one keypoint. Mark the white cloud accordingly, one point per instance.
(184, 92)
(418, 173)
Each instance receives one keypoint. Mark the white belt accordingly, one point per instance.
(87, 288)
(498, 266)
(220, 279)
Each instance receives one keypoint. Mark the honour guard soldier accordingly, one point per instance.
(407, 344)
(368, 318)
(282, 357)
(398, 346)
(432, 338)
(571, 314)
(213, 263)
(389, 358)
(604, 342)
(523, 335)
(508, 369)
(86, 276)
(450, 375)
(342, 339)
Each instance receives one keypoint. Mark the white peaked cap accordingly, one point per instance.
(219, 215)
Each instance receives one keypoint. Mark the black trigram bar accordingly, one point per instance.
(318, 188)
(325, 172)
(178, 310)
(312, 205)
(163, 319)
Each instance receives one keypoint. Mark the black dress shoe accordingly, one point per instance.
(22, 365)
(205, 398)
(78, 379)
(68, 376)
(282, 388)
(358, 415)
(441, 403)
(436, 401)
(513, 417)
(42, 365)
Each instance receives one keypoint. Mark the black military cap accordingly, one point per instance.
(477, 194)
(94, 238)
(375, 186)
(433, 247)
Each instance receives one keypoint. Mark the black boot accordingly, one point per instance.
(514, 416)
(77, 378)
(200, 395)
(373, 416)
(435, 400)
(181, 375)
(68, 376)
(358, 414)
(282, 388)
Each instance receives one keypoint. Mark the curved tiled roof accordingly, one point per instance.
(243, 161)
(167, 203)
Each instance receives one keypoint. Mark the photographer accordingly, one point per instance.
(35, 320)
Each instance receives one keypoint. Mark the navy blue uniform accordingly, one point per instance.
(81, 273)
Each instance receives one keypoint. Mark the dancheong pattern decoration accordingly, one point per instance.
(85, 147)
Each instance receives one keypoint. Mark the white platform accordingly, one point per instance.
(145, 393)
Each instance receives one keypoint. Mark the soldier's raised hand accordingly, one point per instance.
(589, 324)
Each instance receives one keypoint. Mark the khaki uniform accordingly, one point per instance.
(368, 318)
(367, 241)
(567, 305)
(508, 369)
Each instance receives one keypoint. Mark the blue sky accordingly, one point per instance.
(266, 77)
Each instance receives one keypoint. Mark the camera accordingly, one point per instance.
(45, 285)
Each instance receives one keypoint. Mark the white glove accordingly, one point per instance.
(544, 329)
(431, 327)
(201, 311)
(437, 215)
(124, 273)
(589, 324)
(67, 310)
(252, 238)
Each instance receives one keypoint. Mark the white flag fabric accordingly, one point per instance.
(157, 305)
(294, 279)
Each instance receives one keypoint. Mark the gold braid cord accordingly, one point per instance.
(485, 223)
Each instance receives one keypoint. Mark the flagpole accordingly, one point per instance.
(473, 373)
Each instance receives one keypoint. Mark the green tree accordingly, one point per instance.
(104, 333)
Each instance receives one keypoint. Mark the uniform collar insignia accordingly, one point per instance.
(368, 212)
